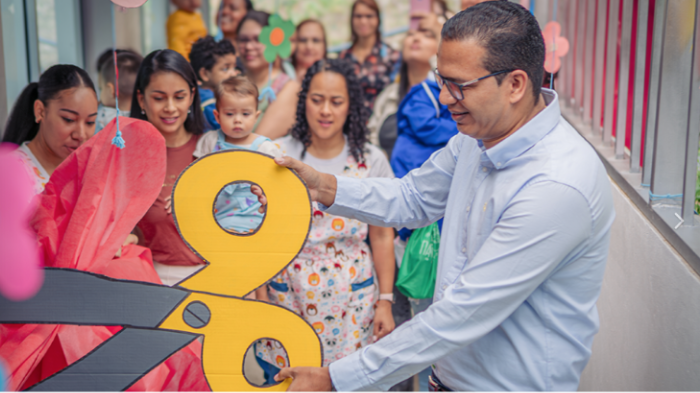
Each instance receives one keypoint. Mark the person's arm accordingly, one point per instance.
(382, 242)
(544, 226)
(281, 114)
(413, 201)
(177, 30)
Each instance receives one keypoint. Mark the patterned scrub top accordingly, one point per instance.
(375, 72)
(34, 168)
(331, 282)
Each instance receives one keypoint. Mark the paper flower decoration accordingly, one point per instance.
(555, 46)
(276, 38)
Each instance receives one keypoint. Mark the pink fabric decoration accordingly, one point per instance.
(555, 45)
(21, 273)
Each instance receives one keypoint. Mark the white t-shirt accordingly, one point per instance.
(206, 143)
(375, 160)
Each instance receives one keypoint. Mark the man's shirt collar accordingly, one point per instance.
(527, 136)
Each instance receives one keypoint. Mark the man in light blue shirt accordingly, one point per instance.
(528, 210)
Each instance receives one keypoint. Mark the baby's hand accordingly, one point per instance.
(169, 204)
(256, 190)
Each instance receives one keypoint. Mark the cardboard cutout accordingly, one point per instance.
(208, 304)
(276, 37)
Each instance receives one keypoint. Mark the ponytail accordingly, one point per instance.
(21, 125)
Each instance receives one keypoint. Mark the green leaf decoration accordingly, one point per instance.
(276, 38)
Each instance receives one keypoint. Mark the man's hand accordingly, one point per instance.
(383, 319)
(306, 379)
(321, 186)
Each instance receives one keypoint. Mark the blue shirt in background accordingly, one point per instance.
(521, 262)
(208, 101)
(424, 126)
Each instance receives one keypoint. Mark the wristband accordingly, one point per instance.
(387, 296)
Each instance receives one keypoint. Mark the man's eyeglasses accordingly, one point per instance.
(456, 89)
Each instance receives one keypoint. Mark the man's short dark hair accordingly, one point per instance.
(206, 51)
(128, 62)
(509, 33)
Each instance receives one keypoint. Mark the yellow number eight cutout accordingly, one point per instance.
(240, 263)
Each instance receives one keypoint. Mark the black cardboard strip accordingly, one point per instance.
(117, 363)
(80, 298)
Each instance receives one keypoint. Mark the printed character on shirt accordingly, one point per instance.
(236, 207)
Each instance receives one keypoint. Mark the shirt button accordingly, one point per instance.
(485, 169)
(498, 165)
(468, 208)
(444, 286)
(464, 249)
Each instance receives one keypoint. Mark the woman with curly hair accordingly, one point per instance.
(332, 282)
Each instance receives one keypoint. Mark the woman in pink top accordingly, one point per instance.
(276, 121)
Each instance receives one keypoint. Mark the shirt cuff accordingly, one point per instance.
(347, 196)
(347, 374)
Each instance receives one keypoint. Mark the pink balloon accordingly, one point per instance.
(129, 3)
(21, 273)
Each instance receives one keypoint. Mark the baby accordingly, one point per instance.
(236, 208)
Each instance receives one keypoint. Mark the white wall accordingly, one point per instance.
(649, 309)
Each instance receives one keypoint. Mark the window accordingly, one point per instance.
(631, 85)
(46, 33)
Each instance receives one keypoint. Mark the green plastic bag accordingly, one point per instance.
(418, 269)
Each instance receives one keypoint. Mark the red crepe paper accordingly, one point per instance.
(91, 203)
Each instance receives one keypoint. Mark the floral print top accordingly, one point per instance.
(376, 71)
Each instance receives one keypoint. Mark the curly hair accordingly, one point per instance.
(355, 127)
(206, 51)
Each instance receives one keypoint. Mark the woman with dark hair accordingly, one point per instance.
(229, 17)
(373, 59)
(52, 118)
(331, 283)
(311, 46)
(277, 116)
(166, 95)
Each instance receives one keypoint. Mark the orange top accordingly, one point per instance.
(183, 29)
